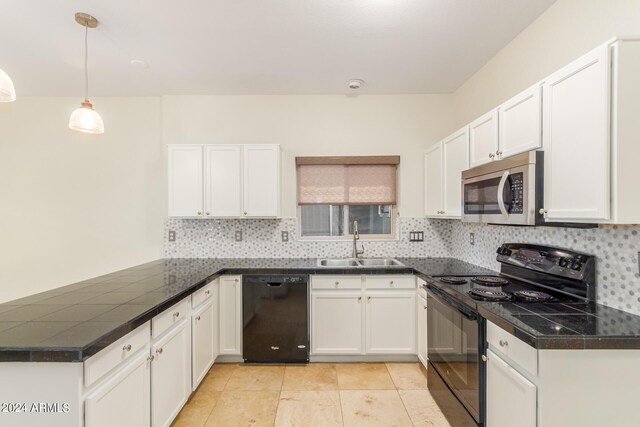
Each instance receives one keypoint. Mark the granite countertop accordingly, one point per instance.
(72, 323)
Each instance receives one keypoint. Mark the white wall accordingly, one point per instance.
(568, 29)
(318, 125)
(74, 206)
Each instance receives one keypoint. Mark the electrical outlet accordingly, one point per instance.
(172, 236)
(238, 235)
(472, 238)
(285, 236)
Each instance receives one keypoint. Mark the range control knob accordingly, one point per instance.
(576, 265)
(563, 262)
(504, 251)
(581, 258)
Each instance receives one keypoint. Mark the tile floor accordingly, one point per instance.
(318, 394)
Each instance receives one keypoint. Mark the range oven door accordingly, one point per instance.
(455, 344)
(503, 197)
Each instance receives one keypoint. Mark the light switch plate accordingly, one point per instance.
(238, 235)
(285, 236)
(416, 236)
(172, 236)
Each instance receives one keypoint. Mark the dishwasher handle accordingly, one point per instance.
(274, 284)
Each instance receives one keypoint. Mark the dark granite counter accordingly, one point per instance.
(72, 323)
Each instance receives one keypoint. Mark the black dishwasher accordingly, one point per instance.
(275, 314)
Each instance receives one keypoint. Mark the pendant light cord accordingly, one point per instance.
(86, 54)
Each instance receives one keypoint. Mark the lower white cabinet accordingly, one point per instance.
(422, 329)
(204, 348)
(336, 322)
(390, 322)
(231, 315)
(511, 398)
(170, 373)
(122, 400)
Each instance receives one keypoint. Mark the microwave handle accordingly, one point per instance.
(501, 205)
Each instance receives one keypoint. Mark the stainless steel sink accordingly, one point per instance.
(342, 262)
(380, 262)
(360, 262)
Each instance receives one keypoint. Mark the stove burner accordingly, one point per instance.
(529, 295)
(489, 295)
(453, 280)
(490, 281)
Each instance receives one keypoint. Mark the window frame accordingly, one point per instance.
(393, 235)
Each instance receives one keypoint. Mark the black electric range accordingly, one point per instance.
(530, 275)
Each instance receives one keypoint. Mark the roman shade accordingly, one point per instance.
(366, 180)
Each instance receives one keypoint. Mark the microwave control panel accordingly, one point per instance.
(516, 181)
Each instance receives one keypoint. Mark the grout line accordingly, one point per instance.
(221, 392)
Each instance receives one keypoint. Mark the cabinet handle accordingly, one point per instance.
(198, 318)
(503, 343)
(359, 298)
(369, 299)
(236, 280)
(245, 212)
(150, 358)
(126, 347)
(484, 358)
(498, 153)
(491, 155)
(199, 213)
(391, 283)
(176, 314)
(337, 283)
(542, 211)
(207, 292)
(424, 307)
(159, 351)
(208, 213)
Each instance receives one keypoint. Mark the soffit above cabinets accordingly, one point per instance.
(257, 47)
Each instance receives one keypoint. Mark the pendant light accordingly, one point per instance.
(7, 91)
(86, 119)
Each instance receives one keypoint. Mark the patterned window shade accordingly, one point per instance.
(349, 183)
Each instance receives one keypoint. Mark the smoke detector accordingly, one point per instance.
(355, 84)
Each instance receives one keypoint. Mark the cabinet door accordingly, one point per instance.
(433, 180)
(576, 140)
(422, 330)
(336, 322)
(261, 180)
(511, 398)
(123, 400)
(520, 123)
(391, 322)
(231, 315)
(170, 374)
(483, 139)
(185, 180)
(455, 159)
(202, 347)
(222, 178)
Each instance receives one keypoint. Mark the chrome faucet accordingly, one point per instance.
(356, 236)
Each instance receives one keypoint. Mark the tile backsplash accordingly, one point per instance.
(616, 247)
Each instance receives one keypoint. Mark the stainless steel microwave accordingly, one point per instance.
(507, 191)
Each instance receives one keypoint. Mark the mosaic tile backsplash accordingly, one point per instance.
(616, 247)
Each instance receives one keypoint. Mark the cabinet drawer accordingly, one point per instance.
(503, 343)
(336, 282)
(112, 356)
(390, 282)
(203, 294)
(167, 318)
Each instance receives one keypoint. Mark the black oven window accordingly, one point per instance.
(481, 198)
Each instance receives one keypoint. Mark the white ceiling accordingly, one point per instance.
(256, 46)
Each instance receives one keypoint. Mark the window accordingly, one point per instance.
(334, 192)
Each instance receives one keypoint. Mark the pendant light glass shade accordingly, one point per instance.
(7, 91)
(86, 119)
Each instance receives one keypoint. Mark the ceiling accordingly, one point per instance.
(256, 46)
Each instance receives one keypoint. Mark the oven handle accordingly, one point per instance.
(446, 300)
(501, 205)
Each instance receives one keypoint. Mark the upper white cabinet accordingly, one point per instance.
(520, 123)
(222, 180)
(444, 163)
(261, 181)
(576, 139)
(185, 181)
(483, 139)
(210, 181)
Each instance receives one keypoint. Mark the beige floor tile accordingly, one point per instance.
(373, 408)
(314, 376)
(197, 410)
(422, 409)
(244, 408)
(217, 377)
(309, 408)
(407, 376)
(256, 378)
(364, 376)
